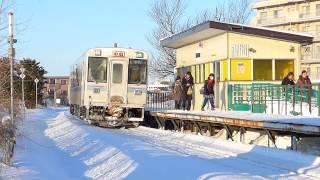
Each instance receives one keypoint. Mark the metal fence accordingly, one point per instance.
(275, 99)
(160, 98)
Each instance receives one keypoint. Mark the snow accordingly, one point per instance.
(103, 161)
(54, 145)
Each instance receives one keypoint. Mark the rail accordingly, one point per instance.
(160, 98)
(275, 99)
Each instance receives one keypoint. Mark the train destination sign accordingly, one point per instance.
(118, 54)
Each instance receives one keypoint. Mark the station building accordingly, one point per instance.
(236, 54)
(297, 16)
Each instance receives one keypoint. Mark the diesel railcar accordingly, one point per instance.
(109, 86)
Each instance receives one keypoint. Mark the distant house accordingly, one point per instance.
(55, 90)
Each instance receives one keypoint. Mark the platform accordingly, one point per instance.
(308, 126)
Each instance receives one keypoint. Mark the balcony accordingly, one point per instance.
(273, 20)
(268, 3)
(310, 54)
(295, 16)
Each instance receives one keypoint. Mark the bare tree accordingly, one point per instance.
(233, 11)
(168, 17)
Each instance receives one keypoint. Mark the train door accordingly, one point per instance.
(118, 82)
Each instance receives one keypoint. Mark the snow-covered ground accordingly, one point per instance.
(55, 145)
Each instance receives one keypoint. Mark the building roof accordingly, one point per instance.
(212, 28)
(270, 3)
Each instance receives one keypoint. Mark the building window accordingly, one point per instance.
(262, 70)
(263, 15)
(317, 52)
(283, 67)
(318, 10)
(52, 81)
(277, 13)
(309, 70)
(291, 9)
(63, 82)
(305, 28)
(305, 12)
(318, 30)
(198, 55)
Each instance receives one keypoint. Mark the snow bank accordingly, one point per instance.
(104, 162)
(287, 162)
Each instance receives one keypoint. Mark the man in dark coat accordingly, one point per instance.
(288, 80)
(187, 85)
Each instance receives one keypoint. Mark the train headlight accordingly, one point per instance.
(138, 92)
(139, 54)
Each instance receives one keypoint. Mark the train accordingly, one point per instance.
(108, 86)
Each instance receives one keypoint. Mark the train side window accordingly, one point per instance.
(117, 73)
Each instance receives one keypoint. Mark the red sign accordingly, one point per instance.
(119, 54)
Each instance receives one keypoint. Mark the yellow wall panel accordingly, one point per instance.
(240, 70)
(224, 72)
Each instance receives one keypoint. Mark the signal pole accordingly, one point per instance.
(11, 54)
(22, 76)
(36, 81)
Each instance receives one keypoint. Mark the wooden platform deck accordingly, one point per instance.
(303, 126)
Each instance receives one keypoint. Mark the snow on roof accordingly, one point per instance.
(272, 29)
(215, 26)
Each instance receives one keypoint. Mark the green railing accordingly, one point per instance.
(274, 98)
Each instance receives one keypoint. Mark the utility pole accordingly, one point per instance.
(36, 81)
(11, 54)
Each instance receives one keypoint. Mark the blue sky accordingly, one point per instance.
(59, 31)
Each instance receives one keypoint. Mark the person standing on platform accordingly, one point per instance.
(288, 80)
(208, 92)
(177, 92)
(304, 79)
(187, 85)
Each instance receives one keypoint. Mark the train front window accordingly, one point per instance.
(137, 71)
(97, 69)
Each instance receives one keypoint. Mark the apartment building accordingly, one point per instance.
(294, 15)
(56, 90)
